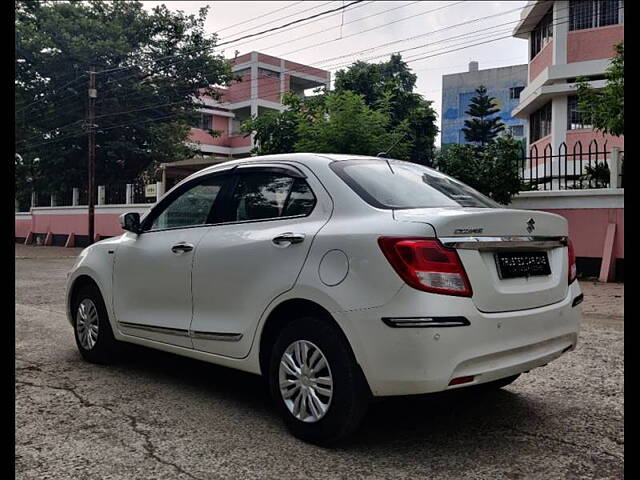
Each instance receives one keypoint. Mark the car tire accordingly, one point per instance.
(95, 343)
(350, 395)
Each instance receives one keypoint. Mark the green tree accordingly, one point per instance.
(491, 169)
(390, 86)
(277, 132)
(604, 109)
(343, 123)
(150, 65)
(482, 127)
(328, 123)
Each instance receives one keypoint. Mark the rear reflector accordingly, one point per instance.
(425, 322)
(578, 300)
(459, 380)
(425, 264)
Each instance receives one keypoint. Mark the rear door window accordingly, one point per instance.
(262, 195)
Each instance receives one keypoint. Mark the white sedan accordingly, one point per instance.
(337, 277)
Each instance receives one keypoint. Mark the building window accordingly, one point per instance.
(593, 13)
(575, 118)
(204, 122)
(243, 72)
(516, 130)
(542, 34)
(540, 123)
(263, 72)
(236, 127)
(514, 92)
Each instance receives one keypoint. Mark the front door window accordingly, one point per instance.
(192, 207)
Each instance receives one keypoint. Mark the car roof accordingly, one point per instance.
(310, 159)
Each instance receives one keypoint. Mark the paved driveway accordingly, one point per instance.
(156, 415)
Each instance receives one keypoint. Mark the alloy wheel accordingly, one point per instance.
(87, 324)
(306, 383)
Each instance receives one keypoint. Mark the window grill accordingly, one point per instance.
(514, 92)
(540, 123)
(204, 122)
(575, 118)
(593, 13)
(517, 130)
(542, 34)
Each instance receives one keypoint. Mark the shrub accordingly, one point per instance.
(491, 169)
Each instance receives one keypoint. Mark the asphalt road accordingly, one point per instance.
(156, 415)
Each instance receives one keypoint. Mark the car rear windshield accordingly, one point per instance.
(398, 184)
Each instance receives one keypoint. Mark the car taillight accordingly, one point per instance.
(573, 271)
(425, 264)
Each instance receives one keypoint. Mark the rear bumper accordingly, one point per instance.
(403, 361)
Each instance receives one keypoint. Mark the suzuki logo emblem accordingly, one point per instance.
(531, 225)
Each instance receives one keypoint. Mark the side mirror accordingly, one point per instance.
(130, 222)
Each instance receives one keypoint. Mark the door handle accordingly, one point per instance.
(286, 239)
(182, 247)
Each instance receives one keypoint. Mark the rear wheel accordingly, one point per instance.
(92, 330)
(315, 382)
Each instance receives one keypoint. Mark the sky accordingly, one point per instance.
(445, 31)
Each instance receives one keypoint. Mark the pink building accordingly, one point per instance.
(567, 39)
(570, 39)
(264, 79)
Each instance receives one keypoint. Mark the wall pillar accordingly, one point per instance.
(101, 195)
(53, 201)
(558, 122)
(75, 197)
(33, 199)
(129, 194)
(254, 90)
(159, 191)
(560, 31)
(282, 82)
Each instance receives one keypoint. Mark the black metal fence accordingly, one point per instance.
(567, 169)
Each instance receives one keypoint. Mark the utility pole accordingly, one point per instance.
(93, 93)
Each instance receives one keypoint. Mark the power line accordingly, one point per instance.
(289, 40)
(364, 3)
(283, 18)
(380, 26)
(280, 27)
(266, 15)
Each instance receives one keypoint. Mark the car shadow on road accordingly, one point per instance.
(441, 419)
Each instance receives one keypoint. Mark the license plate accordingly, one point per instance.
(522, 264)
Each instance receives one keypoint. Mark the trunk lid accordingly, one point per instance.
(478, 234)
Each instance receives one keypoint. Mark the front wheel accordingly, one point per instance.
(92, 330)
(315, 382)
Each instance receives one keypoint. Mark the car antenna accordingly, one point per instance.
(384, 154)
